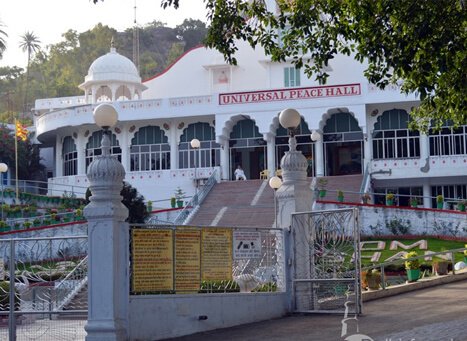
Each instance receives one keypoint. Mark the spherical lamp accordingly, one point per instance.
(289, 118)
(195, 143)
(3, 167)
(275, 182)
(105, 115)
(315, 135)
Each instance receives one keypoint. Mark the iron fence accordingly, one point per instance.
(43, 288)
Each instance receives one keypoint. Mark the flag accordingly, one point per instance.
(21, 131)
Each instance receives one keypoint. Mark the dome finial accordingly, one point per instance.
(112, 45)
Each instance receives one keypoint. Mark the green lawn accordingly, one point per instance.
(435, 245)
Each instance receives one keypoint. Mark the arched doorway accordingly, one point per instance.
(304, 144)
(247, 148)
(343, 145)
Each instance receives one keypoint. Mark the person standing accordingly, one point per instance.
(239, 173)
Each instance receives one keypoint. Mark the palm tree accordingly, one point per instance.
(3, 35)
(30, 44)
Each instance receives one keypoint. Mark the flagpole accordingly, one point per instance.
(16, 158)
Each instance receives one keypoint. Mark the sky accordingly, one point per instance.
(49, 19)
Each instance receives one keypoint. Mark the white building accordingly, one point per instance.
(233, 111)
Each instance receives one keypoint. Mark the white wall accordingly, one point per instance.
(374, 220)
(158, 317)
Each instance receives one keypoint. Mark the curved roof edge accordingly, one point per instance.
(173, 63)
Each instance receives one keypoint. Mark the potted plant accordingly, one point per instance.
(412, 266)
(414, 202)
(366, 197)
(390, 199)
(173, 202)
(439, 201)
(373, 279)
(440, 267)
(179, 194)
(340, 196)
(461, 206)
(322, 183)
(149, 206)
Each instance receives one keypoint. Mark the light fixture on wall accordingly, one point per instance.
(275, 182)
(315, 136)
(195, 144)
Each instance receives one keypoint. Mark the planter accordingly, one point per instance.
(322, 193)
(440, 268)
(461, 207)
(389, 202)
(374, 281)
(180, 203)
(439, 205)
(340, 199)
(413, 275)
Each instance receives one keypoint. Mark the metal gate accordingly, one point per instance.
(326, 262)
(45, 280)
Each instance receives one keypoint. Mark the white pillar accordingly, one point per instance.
(225, 162)
(294, 195)
(58, 157)
(426, 195)
(81, 154)
(271, 154)
(173, 146)
(125, 147)
(319, 158)
(424, 147)
(108, 275)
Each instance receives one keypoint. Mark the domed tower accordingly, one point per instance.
(112, 77)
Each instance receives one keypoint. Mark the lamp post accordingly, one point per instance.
(275, 182)
(108, 235)
(195, 144)
(315, 136)
(3, 169)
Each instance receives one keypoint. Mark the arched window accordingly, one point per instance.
(208, 154)
(448, 140)
(70, 157)
(93, 147)
(149, 150)
(343, 145)
(392, 138)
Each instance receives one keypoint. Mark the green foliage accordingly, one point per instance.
(5, 297)
(413, 264)
(29, 166)
(137, 210)
(421, 43)
(179, 194)
(397, 226)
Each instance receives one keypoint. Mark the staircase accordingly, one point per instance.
(247, 203)
(251, 203)
(78, 302)
(349, 184)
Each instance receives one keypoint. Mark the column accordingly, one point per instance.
(81, 152)
(108, 273)
(173, 146)
(58, 157)
(225, 160)
(294, 195)
(125, 146)
(319, 157)
(271, 154)
(426, 195)
(424, 147)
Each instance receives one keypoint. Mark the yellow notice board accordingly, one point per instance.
(216, 254)
(152, 260)
(187, 259)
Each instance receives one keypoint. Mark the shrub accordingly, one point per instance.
(390, 196)
(439, 198)
(412, 264)
(5, 297)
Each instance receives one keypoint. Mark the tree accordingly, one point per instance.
(30, 44)
(192, 32)
(29, 165)
(137, 211)
(174, 53)
(419, 43)
(3, 35)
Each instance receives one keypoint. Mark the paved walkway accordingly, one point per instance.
(434, 314)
